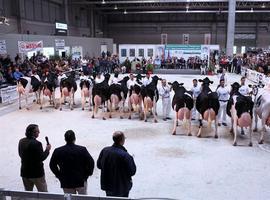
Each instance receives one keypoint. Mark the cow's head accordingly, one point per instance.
(107, 77)
(206, 81)
(139, 77)
(175, 85)
(155, 79)
(235, 87)
(124, 80)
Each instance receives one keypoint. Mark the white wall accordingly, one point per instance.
(91, 46)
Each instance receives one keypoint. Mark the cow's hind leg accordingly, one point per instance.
(200, 127)
(250, 135)
(174, 124)
(216, 126)
(264, 118)
(235, 132)
(20, 99)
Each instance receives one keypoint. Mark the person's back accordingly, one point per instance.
(73, 161)
(117, 168)
(72, 165)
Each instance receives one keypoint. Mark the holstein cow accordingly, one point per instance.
(150, 97)
(135, 98)
(182, 104)
(48, 88)
(26, 85)
(86, 86)
(68, 87)
(118, 93)
(262, 108)
(100, 94)
(240, 108)
(207, 105)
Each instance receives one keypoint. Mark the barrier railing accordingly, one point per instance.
(23, 195)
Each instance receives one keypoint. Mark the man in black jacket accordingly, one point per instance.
(32, 157)
(117, 168)
(72, 165)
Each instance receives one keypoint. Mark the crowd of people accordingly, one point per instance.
(72, 164)
(259, 62)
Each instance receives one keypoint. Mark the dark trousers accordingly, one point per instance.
(113, 194)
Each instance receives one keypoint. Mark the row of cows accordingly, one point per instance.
(142, 100)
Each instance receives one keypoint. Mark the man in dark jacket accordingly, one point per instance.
(117, 168)
(72, 165)
(32, 157)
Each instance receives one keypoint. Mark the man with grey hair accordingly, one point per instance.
(117, 167)
(72, 165)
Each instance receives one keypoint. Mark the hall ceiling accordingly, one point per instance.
(172, 6)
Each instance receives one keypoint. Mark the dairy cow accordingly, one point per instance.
(207, 105)
(182, 104)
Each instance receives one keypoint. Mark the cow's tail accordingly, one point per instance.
(209, 118)
(185, 118)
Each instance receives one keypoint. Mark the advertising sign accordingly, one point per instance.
(26, 46)
(3, 47)
(59, 44)
(9, 94)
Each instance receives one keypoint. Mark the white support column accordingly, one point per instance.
(231, 28)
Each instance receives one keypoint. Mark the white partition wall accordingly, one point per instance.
(90, 46)
(139, 51)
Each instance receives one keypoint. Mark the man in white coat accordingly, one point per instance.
(196, 90)
(223, 97)
(164, 92)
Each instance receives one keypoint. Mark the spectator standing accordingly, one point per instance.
(72, 165)
(32, 157)
(117, 167)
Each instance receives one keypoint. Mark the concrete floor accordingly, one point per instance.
(179, 167)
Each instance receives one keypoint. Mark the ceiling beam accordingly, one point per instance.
(158, 1)
(186, 12)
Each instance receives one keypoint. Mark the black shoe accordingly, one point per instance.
(219, 124)
(168, 118)
(224, 124)
(164, 119)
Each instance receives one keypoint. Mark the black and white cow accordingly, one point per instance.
(49, 83)
(207, 105)
(150, 97)
(68, 87)
(101, 94)
(182, 104)
(118, 94)
(135, 98)
(86, 86)
(26, 85)
(261, 108)
(240, 109)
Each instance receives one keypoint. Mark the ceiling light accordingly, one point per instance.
(263, 5)
(125, 12)
(103, 2)
(115, 7)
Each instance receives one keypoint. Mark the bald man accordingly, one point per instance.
(117, 167)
